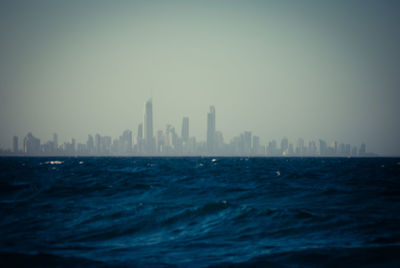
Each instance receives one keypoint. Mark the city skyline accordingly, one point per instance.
(278, 68)
(169, 143)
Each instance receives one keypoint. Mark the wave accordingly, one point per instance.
(199, 212)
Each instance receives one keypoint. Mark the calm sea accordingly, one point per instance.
(199, 212)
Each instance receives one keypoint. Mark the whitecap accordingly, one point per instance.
(56, 162)
(213, 160)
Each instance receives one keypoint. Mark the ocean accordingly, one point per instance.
(199, 212)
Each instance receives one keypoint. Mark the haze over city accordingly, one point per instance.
(276, 68)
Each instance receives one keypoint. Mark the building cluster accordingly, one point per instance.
(168, 142)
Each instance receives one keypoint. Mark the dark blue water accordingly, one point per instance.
(199, 212)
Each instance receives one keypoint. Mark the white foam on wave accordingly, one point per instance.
(56, 162)
(213, 160)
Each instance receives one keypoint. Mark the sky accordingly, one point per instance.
(309, 69)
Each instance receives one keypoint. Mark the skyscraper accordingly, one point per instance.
(55, 141)
(148, 126)
(185, 129)
(284, 146)
(363, 150)
(31, 144)
(126, 141)
(15, 144)
(90, 144)
(247, 142)
(211, 130)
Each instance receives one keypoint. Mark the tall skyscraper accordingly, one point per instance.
(363, 150)
(323, 148)
(148, 126)
(247, 142)
(55, 141)
(185, 129)
(15, 144)
(126, 141)
(31, 144)
(97, 144)
(211, 130)
(284, 146)
(90, 144)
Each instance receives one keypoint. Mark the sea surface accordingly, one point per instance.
(199, 212)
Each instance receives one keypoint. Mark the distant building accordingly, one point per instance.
(15, 144)
(219, 142)
(363, 150)
(185, 129)
(312, 148)
(284, 146)
(55, 141)
(160, 141)
(97, 144)
(139, 139)
(125, 142)
(272, 148)
(247, 142)
(256, 145)
(90, 145)
(148, 127)
(300, 146)
(290, 149)
(323, 148)
(211, 130)
(31, 145)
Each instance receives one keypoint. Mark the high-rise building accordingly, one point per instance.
(256, 145)
(247, 142)
(90, 144)
(211, 130)
(272, 148)
(126, 142)
(323, 148)
(363, 150)
(185, 129)
(97, 144)
(284, 146)
(55, 141)
(31, 144)
(300, 146)
(160, 141)
(148, 126)
(15, 144)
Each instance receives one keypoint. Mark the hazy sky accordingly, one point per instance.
(311, 69)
